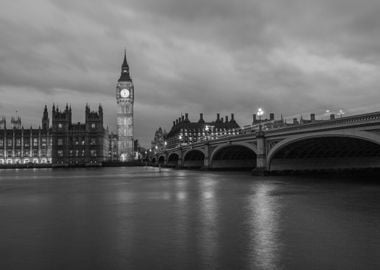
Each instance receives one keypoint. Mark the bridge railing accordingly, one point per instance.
(268, 127)
(348, 120)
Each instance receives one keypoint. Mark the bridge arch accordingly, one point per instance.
(193, 158)
(234, 155)
(161, 160)
(173, 160)
(328, 150)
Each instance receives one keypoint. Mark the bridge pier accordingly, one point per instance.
(261, 160)
(206, 162)
(180, 160)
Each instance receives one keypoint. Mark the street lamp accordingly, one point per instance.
(340, 113)
(207, 128)
(260, 113)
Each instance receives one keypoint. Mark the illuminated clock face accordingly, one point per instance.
(124, 93)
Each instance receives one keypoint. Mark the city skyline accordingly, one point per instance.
(204, 56)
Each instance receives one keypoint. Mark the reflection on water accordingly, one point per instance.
(140, 218)
(264, 227)
(208, 215)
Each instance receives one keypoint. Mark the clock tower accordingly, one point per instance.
(125, 98)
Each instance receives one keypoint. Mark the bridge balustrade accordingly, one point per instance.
(262, 145)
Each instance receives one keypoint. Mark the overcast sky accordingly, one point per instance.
(290, 57)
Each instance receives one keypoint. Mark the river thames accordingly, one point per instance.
(140, 218)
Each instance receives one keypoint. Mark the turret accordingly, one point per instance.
(45, 119)
(201, 118)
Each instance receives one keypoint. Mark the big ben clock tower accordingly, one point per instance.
(124, 99)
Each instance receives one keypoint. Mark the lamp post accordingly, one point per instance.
(206, 131)
(260, 113)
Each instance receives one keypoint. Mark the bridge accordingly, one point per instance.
(341, 143)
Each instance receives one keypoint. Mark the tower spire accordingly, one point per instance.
(125, 69)
(125, 63)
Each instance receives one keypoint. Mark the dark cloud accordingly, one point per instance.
(291, 57)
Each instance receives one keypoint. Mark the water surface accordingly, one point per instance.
(140, 218)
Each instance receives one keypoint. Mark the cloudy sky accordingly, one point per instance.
(290, 57)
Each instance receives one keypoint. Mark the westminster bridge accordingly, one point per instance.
(341, 143)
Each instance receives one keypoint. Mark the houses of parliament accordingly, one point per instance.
(62, 143)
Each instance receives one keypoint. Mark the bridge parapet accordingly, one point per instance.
(265, 144)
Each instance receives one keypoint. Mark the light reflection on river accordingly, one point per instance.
(263, 222)
(140, 218)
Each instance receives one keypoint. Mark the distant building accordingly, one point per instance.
(185, 132)
(25, 146)
(80, 144)
(159, 139)
(113, 147)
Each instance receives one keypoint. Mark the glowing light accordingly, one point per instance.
(260, 112)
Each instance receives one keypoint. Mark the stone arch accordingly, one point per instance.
(173, 160)
(173, 156)
(340, 138)
(241, 155)
(161, 160)
(193, 158)
(219, 147)
(193, 149)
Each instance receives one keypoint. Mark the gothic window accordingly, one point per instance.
(43, 142)
(93, 125)
(18, 142)
(35, 141)
(9, 142)
(60, 153)
(59, 125)
(71, 153)
(60, 141)
(82, 153)
(76, 153)
(35, 153)
(83, 141)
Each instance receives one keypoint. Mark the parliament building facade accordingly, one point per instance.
(64, 143)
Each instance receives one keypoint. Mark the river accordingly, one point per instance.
(143, 218)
